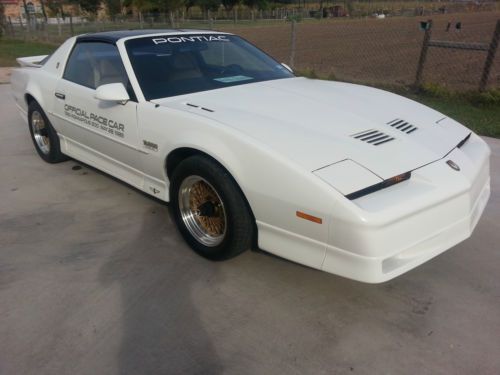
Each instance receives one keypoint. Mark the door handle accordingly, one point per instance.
(60, 95)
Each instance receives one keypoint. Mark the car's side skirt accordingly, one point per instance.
(115, 168)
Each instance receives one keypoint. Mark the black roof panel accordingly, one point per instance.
(114, 36)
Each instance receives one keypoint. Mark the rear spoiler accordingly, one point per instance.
(31, 61)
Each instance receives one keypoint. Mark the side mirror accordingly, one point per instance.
(112, 92)
(287, 67)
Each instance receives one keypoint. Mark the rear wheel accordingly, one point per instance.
(44, 136)
(210, 209)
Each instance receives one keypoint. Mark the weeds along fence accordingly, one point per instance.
(380, 52)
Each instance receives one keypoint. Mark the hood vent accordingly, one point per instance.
(402, 125)
(373, 137)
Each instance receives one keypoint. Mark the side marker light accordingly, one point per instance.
(305, 216)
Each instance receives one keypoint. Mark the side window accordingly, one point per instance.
(92, 64)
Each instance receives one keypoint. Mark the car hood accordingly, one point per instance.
(317, 123)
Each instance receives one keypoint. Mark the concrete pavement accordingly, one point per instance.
(95, 279)
(5, 74)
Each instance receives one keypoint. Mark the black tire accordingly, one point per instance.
(51, 151)
(239, 222)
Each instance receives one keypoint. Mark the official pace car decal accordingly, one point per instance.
(96, 121)
(191, 39)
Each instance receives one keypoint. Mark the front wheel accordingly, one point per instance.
(210, 210)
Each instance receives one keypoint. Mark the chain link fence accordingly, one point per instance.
(386, 51)
(370, 50)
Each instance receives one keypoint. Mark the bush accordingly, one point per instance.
(331, 77)
(435, 90)
(308, 73)
(479, 99)
(296, 18)
(486, 98)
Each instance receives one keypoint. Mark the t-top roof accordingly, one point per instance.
(114, 36)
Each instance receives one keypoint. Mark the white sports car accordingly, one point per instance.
(340, 177)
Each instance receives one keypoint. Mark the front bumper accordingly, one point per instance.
(409, 223)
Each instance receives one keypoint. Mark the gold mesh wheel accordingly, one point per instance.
(202, 211)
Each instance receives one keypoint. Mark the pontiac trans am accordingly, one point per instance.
(343, 178)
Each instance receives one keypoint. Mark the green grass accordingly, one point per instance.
(10, 49)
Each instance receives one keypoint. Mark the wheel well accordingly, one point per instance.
(178, 155)
(29, 99)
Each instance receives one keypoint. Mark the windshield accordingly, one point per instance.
(181, 64)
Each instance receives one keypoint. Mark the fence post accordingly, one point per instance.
(489, 59)
(292, 43)
(72, 31)
(423, 53)
(12, 31)
(46, 31)
(59, 30)
(171, 18)
(23, 30)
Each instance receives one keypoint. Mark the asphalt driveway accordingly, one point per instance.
(95, 279)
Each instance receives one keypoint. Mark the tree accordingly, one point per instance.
(255, 4)
(3, 26)
(206, 5)
(55, 7)
(188, 4)
(232, 5)
(90, 6)
(44, 13)
(170, 6)
(28, 16)
(113, 7)
(140, 6)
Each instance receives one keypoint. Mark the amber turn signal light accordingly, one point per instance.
(314, 219)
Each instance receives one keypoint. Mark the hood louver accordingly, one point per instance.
(373, 137)
(402, 125)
